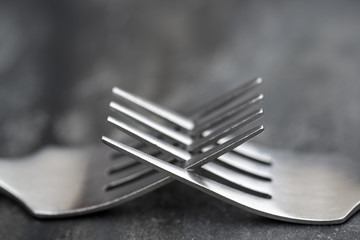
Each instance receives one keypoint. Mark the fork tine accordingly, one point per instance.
(182, 154)
(126, 162)
(183, 138)
(239, 180)
(135, 172)
(257, 186)
(249, 152)
(178, 119)
(221, 149)
(197, 181)
(155, 108)
(226, 98)
(167, 131)
(233, 125)
(143, 157)
(176, 152)
(209, 122)
(180, 137)
(245, 165)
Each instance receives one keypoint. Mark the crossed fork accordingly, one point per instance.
(200, 151)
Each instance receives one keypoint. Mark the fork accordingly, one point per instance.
(303, 188)
(63, 181)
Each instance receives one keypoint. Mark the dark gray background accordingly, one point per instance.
(59, 60)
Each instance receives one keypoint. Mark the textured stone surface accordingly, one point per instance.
(59, 60)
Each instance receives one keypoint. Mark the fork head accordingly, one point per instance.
(205, 117)
(303, 188)
(276, 184)
(61, 182)
(219, 121)
(192, 161)
(206, 154)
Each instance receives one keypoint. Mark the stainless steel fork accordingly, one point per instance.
(63, 181)
(303, 188)
(308, 189)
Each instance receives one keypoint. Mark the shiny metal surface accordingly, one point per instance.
(304, 188)
(192, 160)
(192, 124)
(60, 182)
(235, 122)
(195, 121)
(300, 188)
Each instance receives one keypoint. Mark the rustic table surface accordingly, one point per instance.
(59, 60)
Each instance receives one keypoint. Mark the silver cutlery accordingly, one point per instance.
(308, 189)
(63, 181)
(301, 188)
(210, 114)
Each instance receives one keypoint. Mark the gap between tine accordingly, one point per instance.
(221, 149)
(154, 108)
(198, 160)
(226, 98)
(183, 122)
(234, 125)
(179, 153)
(176, 152)
(178, 136)
(210, 121)
(145, 121)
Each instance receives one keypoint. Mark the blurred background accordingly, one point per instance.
(60, 59)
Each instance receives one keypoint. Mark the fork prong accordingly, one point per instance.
(143, 157)
(176, 152)
(135, 172)
(123, 177)
(248, 151)
(182, 138)
(226, 98)
(178, 119)
(235, 124)
(167, 131)
(221, 149)
(248, 166)
(239, 180)
(180, 154)
(154, 108)
(210, 121)
(214, 188)
(126, 162)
